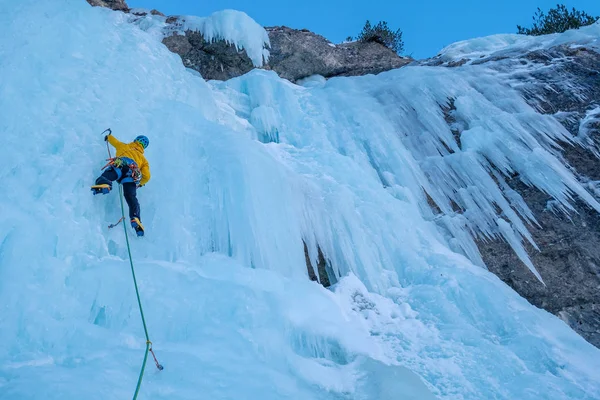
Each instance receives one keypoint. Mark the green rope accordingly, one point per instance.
(139, 383)
(137, 293)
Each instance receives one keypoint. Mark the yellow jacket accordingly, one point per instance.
(135, 151)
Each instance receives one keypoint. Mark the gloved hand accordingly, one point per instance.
(139, 186)
(106, 137)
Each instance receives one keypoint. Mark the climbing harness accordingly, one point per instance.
(137, 292)
(118, 163)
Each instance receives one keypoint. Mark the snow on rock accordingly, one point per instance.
(210, 45)
(506, 44)
(234, 27)
(202, 44)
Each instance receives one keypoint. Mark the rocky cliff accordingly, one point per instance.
(294, 54)
(213, 60)
(561, 80)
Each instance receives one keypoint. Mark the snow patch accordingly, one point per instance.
(503, 44)
(234, 27)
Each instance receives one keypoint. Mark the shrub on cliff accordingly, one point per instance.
(382, 34)
(557, 20)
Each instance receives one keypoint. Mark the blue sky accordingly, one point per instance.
(427, 25)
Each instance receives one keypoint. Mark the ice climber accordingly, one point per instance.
(129, 168)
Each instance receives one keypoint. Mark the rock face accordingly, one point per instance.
(216, 60)
(117, 5)
(296, 54)
(564, 82)
(568, 261)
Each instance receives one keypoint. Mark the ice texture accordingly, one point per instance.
(244, 172)
(505, 44)
(234, 27)
(588, 127)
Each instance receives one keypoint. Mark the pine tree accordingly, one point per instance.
(382, 34)
(557, 20)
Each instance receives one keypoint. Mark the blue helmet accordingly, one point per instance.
(143, 140)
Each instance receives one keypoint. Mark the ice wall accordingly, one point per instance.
(439, 139)
(242, 173)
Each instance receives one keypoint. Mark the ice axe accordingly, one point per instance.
(109, 157)
(107, 148)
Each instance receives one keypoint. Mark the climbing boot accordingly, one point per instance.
(136, 224)
(103, 188)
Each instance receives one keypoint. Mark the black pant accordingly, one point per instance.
(129, 189)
